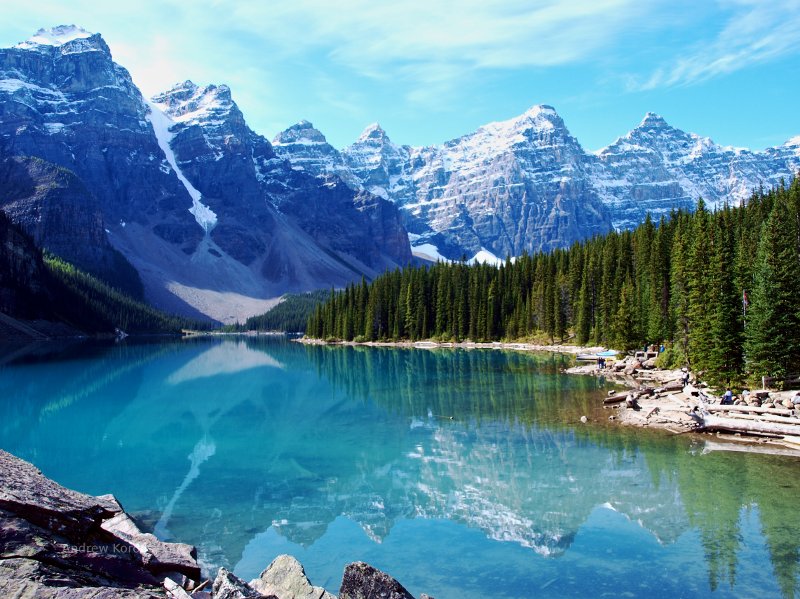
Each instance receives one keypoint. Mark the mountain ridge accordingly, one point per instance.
(196, 201)
(652, 169)
(219, 221)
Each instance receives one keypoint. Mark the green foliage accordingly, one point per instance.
(680, 282)
(90, 305)
(773, 321)
(291, 315)
(672, 357)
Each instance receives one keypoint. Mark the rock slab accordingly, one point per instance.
(286, 578)
(55, 542)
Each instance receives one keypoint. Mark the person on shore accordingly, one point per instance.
(727, 399)
(685, 377)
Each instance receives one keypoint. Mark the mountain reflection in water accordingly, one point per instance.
(247, 446)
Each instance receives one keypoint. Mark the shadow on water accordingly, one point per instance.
(242, 446)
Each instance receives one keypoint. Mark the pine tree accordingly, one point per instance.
(773, 320)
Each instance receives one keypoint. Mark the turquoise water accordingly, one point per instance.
(461, 473)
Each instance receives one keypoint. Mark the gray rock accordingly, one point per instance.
(362, 581)
(55, 542)
(229, 586)
(286, 578)
(174, 590)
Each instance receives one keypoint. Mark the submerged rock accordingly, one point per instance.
(286, 578)
(55, 542)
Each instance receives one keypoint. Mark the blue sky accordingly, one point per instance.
(431, 70)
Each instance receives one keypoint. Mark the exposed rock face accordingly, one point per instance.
(63, 99)
(236, 170)
(527, 184)
(195, 200)
(309, 151)
(362, 581)
(53, 205)
(55, 542)
(657, 167)
(507, 188)
(286, 578)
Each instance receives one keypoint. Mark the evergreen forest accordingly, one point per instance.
(721, 289)
(291, 315)
(37, 286)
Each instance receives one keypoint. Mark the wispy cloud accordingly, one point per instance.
(433, 45)
(757, 31)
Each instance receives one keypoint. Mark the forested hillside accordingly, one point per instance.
(721, 289)
(34, 287)
(291, 315)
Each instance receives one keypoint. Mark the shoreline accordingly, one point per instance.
(562, 348)
(654, 398)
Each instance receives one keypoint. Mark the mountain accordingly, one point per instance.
(44, 297)
(526, 184)
(213, 221)
(217, 221)
(657, 167)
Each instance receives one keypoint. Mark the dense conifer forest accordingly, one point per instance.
(38, 286)
(291, 315)
(720, 289)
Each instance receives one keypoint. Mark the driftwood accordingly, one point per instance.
(673, 386)
(765, 418)
(651, 411)
(633, 394)
(736, 425)
(620, 397)
(748, 409)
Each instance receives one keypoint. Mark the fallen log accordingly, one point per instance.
(748, 409)
(765, 418)
(747, 427)
(674, 386)
(620, 397)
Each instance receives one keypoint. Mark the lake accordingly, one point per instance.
(462, 473)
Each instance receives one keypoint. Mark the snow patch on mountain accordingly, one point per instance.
(55, 36)
(162, 123)
(484, 256)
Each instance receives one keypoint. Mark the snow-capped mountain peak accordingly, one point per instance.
(539, 117)
(372, 131)
(652, 120)
(191, 104)
(302, 133)
(55, 36)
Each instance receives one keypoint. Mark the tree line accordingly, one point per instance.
(721, 289)
(35, 285)
(291, 315)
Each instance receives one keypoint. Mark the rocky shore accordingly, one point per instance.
(764, 421)
(56, 543)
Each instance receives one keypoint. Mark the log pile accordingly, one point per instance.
(762, 414)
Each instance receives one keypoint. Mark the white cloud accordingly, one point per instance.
(368, 36)
(757, 31)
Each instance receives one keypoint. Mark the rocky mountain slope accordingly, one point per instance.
(526, 184)
(214, 223)
(218, 221)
